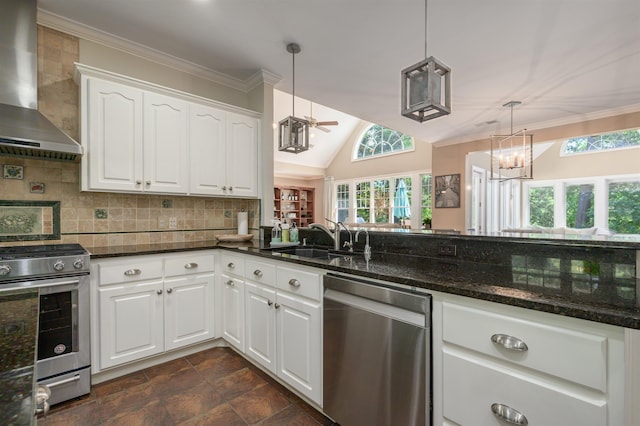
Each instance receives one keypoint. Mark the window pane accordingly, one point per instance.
(381, 200)
(541, 206)
(425, 199)
(379, 140)
(401, 199)
(342, 202)
(624, 214)
(363, 201)
(603, 142)
(579, 206)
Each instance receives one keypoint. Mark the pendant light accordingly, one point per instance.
(512, 155)
(426, 86)
(293, 134)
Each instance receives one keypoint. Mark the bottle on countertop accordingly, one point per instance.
(293, 233)
(285, 232)
(276, 236)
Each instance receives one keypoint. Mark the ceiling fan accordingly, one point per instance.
(319, 124)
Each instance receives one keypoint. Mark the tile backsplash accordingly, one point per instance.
(97, 219)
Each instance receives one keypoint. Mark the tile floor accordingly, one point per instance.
(213, 387)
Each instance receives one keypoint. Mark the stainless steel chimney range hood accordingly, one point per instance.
(24, 131)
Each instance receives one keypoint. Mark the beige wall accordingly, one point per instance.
(450, 159)
(106, 58)
(342, 166)
(130, 219)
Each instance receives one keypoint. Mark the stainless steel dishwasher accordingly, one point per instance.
(377, 354)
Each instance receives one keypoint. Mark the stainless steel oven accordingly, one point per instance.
(60, 273)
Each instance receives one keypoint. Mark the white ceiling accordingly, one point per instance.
(565, 60)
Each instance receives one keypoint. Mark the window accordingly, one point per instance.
(624, 215)
(342, 202)
(541, 205)
(425, 199)
(579, 206)
(606, 141)
(378, 140)
(385, 200)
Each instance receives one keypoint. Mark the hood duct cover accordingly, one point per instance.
(24, 131)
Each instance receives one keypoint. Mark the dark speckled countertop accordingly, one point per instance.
(567, 282)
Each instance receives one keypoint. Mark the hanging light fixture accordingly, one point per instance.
(293, 135)
(426, 86)
(512, 155)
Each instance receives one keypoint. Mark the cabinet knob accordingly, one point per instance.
(169, 290)
(294, 283)
(508, 414)
(190, 265)
(231, 188)
(138, 182)
(277, 306)
(269, 302)
(132, 272)
(231, 265)
(158, 291)
(224, 188)
(148, 183)
(509, 342)
(257, 273)
(230, 283)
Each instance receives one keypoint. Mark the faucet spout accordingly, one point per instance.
(335, 238)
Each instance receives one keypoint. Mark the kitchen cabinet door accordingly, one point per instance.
(299, 336)
(189, 309)
(165, 144)
(233, 311)
(242, 155)
(207, 140)
(260, 318)
(112, 136)
(131, 322)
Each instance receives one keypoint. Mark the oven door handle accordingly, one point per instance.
(46, 284)
(75, 378)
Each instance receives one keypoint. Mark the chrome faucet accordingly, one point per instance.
(367, 247)
(335, 234)
(336, 241)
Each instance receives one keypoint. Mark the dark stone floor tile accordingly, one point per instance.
(238, 383)
(290, 416)
(173, 383)
(259, 404)
(151, 414)
(222, 415)
(219, 366)
(119, 384)
(192, 402)
(127, 400)
(166, 369)
(207, 355)
(79, 415)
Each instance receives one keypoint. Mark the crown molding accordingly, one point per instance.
(85, 32)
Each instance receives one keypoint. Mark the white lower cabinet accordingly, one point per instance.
(233, 311)
(147, 305)
(283, 329)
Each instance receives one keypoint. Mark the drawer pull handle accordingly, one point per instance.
(257, 273)
(294, 283)
(277, 306)
(231, 265)
(230, 283)
(509, 415)
(169, 290)
(509, 342)
(132, 272)
(191, 265)
(158, 292)
(269, 302)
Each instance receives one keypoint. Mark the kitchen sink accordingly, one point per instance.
(310, 252)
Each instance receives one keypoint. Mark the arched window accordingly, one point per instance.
(605, 141)
(378, 140)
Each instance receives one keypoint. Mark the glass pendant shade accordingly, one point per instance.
(426, 90)
(294, 135)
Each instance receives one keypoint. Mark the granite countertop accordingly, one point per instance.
(611, 301)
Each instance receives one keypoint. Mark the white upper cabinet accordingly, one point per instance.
(140, 137)
(165, 144)
(112, 135)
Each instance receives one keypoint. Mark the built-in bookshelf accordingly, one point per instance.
(293, 203)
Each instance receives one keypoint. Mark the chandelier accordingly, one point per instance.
(293, 132)
(426, 86)
(512, 155)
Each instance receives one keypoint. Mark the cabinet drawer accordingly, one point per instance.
(260, 272)
(136, 270)
(468, 399)
(232, 264)
(568, 354)
(303, 283)
(192, 264)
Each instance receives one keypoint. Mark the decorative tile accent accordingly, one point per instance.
(13, 172)
(167, 204)
(101, 214)
(228, 214)
(36, 187)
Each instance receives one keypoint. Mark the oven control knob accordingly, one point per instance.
(59, 265)
(5, 269)
(78, 264)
